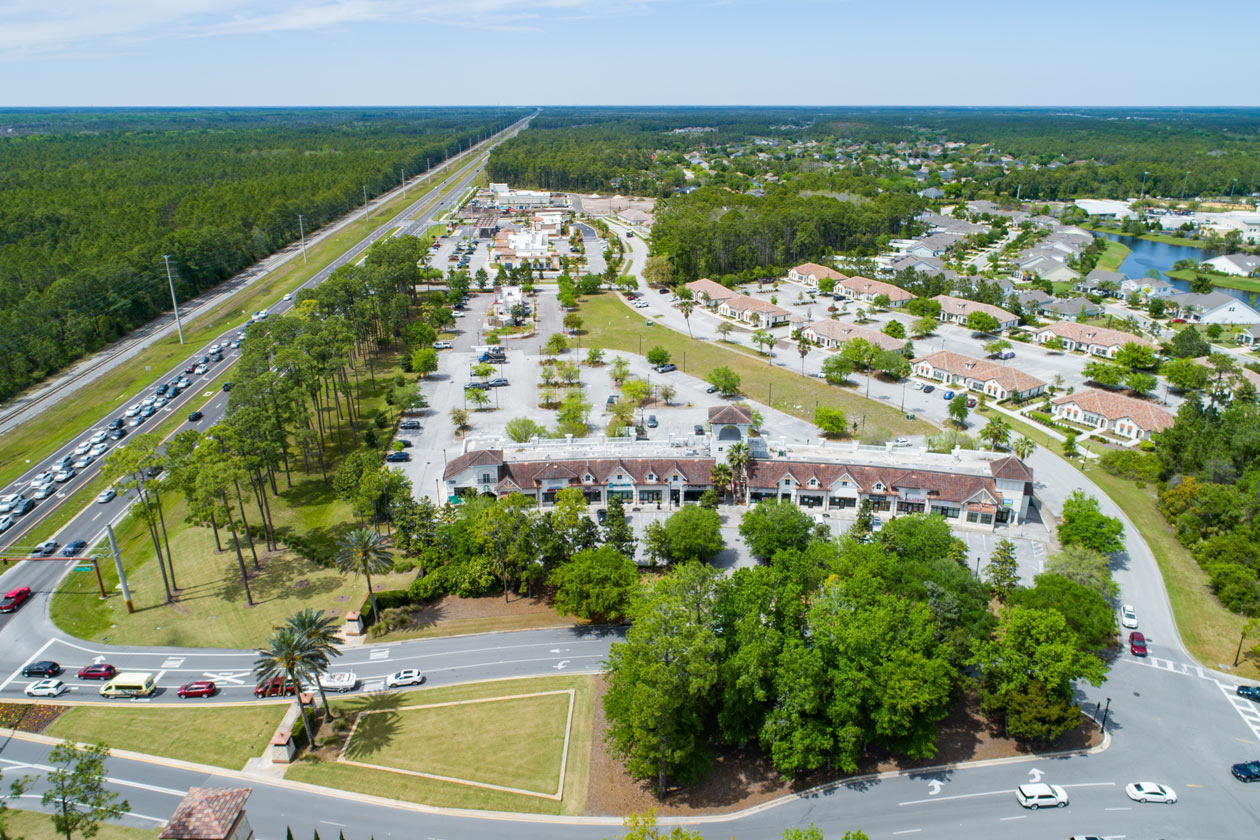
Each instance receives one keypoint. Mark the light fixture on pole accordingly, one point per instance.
(174, 303)
(1142, 195)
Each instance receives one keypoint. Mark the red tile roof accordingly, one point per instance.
(1112, 406)
(207, 814)
(734, 414)
(843, 331)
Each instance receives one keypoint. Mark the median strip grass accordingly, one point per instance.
(33, 824)
(613, 326)
(225, 736)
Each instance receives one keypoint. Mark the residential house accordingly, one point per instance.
(986, 376)
(973, 492)
(1033, 299)
(634, 216)
(1123, 416)
(934, 246)
(831, 334)
(930, 266)
(710, 293)
(761, 314)
(1060, 274)
(1096, 341)
(808, 274)
(1239, 265)
(1070, 308)
(1211, 308)
(1104, 208)
(1092, 281)
(865, 289)
(957, 310)
(932, 193)
(1249, 337)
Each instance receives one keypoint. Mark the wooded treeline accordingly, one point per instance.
(713, 232)
(88, 208)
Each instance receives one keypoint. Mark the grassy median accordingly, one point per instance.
(33, 824)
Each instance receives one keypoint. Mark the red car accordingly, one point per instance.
(1137, 644)
(200, 688)
(275, 687)
(15, 599)
(98, 672)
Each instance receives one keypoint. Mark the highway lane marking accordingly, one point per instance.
(330, 822)
(997, 793)
(129, 813)
(18, 671)
(1117, 809)
(1008, 819)
(907, 831)
(44, 768)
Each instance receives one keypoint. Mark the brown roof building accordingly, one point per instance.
(210, 814)
(958, 310)
(866, 289)
(710, 293)
(831, 334)
(984, 375)
(809, 274)
(1121, 415)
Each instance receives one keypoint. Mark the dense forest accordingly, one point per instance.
(91, 200)
(713, 232)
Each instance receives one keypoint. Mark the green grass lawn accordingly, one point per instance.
(33, 824)
(1245, 284)
(225, 736)
(1153, 237)
(1113, 254)
(436, 739)
(612, 325)
(75, 414)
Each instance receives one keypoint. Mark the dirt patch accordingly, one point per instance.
(301, 583)
(29, 717)
(454, 608)
(341, 599)
(741, 778)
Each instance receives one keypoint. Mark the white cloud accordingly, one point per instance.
(30, 27)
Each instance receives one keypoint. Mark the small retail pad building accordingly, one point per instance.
(982, 490)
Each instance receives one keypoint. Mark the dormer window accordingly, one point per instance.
(813, 482)
(879, 485)
(588, 478)
(651, 476)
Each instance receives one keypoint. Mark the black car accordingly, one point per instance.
(46, 549)
(116, 424)
(712, 389)
(217, 357)
(664, 291)
(195, 416)
(406, 444)
(73, 548)
(601, 514)
(153, 471)
(1247, 771)
(24, 506)
(1251, 692)
(395, 457)
(227, 386)
(612, 400)
(666, 368)
(409, 424)
(927, 389)
(46, 668)
(161, 390)
(118, 434)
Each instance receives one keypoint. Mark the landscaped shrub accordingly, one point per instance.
(1135, 466)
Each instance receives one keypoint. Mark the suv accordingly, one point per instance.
(275, 687)
(1041, 796)
(666, 368)
(43, 668)
(409, 425)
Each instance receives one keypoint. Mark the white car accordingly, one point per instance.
(83, 448)
(288, 296)
(1128, 617)
(160, 402)
(98, 436)
(43, 478)
(235, 344)
(147, 401)
(407, 676)
(901, 442)
(918, 386)
(99, 450)
(64, 475)
(458, 314)
(6, 522)
(46, 688)
(107, 495)
(44, 491)
(200, 369)
(135, 421)
(9, 502)
(1151, 792)
(1041, 796)
(84, 462)
(132, 411)
(215, 348)
(442, 345)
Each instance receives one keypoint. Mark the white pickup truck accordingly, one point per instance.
(342, 681)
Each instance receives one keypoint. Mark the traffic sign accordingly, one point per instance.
(86, 568)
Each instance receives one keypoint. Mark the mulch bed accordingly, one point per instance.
(741, 778)
(29, 717)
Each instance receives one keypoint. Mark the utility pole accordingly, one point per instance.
(302, 232)
(365, 204)
(1231, 189)
(174, 303)
(402, 173)
(122, 576)
(1142, 194)
(1184, 181)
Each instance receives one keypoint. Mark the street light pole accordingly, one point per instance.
(365, 204)
(1142, 194)
(174, 303)
(302, 233)
(1106, 711)
(1184, 181)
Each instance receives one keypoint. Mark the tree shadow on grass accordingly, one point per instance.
(274, 582)
(378, 724)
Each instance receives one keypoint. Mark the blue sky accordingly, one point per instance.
(669, 52)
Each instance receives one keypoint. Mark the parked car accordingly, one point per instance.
(46, 688)
(497, 382)
(949, 395)
(97, 672)
(927, 389)
(1006, 354)
(14, 599)
(712, 389)
(1251, 692)
(409, 425)
(666, 368)
(971, 402)
(73, 548)
(601, 514)
(699, 430)
(197, 688)
(901, 442)
(275, 687)
(227, 386)
(1137, 643)
(1041, 796)
(1128, 617)
(406, 444)
(1247, 771)
(442, 345)
(1151, 792)
(651, 421)
(42, 668)
(396, 457)
(476, 386)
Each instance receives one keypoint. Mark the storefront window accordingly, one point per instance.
(649, 495)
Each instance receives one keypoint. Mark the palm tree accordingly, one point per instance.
(802, 346)
(321, 631)
(721, 476)
(363, 553)
(739, 458)
(291, 655)
(1023, 448)
(996, 433)
(686, 307)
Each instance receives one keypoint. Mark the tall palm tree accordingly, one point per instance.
(289, 654)
(321, 631)
(720, 475)
(363, 553)
(1023, 448)
(686, 307)
(738, 457)
(802, 346)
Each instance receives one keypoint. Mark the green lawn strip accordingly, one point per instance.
(115, 389)
(33, 824)
(484, 745)
(1245, 284)
(615, 327)
(1210, 631)
(1113, 254)
(225, 736)
(1152, 237)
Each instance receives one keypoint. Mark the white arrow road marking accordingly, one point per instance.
(559, 650)
(560, 666)
(1034, 775)
(934, 787)
(234, 677)
(98, 660)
